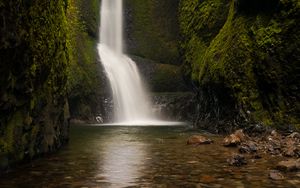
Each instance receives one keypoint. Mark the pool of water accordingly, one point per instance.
(119, 156)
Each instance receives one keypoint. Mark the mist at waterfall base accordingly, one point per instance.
(131, 103)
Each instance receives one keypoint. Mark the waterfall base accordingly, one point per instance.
(145, 123)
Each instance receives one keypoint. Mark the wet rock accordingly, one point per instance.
(294, 135)
(289, 165)
(274, 133)
(257, 156)
(256, 130)
(248, 147)
(231, 140)
(237, 160)
(244, 149)
(272, 142)
(273, 146)
(198, 140)
(276, 175)
(234, 139)
(290, 148)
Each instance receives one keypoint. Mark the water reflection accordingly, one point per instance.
(142, 157)
(123, 160)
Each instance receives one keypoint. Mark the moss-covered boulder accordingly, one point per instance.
(244, 57)
(34, 55)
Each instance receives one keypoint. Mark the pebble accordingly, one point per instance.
(207, 179)
(275, 175)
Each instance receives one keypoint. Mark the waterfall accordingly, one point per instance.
(131, 103)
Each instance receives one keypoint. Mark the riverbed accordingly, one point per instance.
(133, 156)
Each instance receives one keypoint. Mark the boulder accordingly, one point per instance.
(248, 147)
(198, 140)
(234, 139)
(290, 148)
(237, 160)
(294, 135)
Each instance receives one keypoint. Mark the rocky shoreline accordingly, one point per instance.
(251, 146)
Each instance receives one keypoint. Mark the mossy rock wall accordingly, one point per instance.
(151, 34)
(34, 54)
(160, 77)
(243, 57)
(85, 85)
(151, 30)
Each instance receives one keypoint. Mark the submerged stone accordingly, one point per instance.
(289, 165)
(198, 140)
(237, 160)
(276, 175)
(248, 147)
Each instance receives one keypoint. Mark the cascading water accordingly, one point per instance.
(130, 100)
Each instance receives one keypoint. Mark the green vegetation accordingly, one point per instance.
(152, 30)
(167, 78)
(48, 57)
(83, 78)
(251, 56)
(34, 57)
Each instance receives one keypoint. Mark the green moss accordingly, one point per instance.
(14, 146)
(250, 55)
(34, 55)
(83, 72)
(199, 22)
(167, 78)
(151, 30)
(33, 145)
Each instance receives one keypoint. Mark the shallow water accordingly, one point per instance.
(142, 157)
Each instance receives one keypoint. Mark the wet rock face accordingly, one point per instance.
(87, 84)
(174, 106)
(233, 51)
(151, 30)
(34, 58)
(160, 77)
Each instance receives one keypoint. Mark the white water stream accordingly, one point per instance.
(131, 103)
